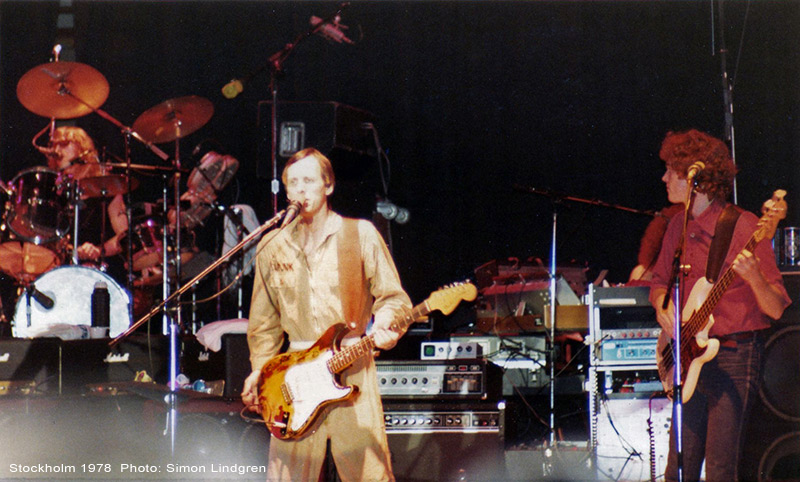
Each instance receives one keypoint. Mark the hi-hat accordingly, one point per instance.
(62, 90)
(174, 119)
(106, 186)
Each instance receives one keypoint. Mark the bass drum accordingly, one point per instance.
(70, 288)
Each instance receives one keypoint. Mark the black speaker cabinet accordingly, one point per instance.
(772, 436)
(85, 363)
(337, 130)
(29, 365)
(231, 363)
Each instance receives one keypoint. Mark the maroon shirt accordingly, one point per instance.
(737, 310)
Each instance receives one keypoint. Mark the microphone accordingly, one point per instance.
(291, 213)
(44, 300)
(330, 30)
(694, 170)
(47, 151)
(232, 89)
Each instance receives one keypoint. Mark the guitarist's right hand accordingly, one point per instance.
(250, 392)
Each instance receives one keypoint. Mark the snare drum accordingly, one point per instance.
(38, 211)
(70, 288)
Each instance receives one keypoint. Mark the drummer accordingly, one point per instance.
(73, 154)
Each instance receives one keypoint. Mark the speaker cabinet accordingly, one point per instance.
(337, 130)
(772, 436)
(91, 362)
(624, 440)
(437, 442)
(29, 365)
(438, 456)
(231, 363)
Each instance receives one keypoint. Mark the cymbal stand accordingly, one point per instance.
(75, 194)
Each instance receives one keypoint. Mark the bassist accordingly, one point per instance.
(715, 416)
(320, 270)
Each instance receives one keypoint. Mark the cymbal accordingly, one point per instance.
(106, 186)
(62, 90)
(174, 119)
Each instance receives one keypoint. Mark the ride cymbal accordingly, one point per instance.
(173, 119)
(62, 90)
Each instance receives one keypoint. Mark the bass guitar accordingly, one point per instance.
(696, 347)
(295, 387)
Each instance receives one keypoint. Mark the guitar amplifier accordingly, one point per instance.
(439, 379)
(446, 441)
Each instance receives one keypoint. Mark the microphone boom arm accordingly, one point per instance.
(260, 230)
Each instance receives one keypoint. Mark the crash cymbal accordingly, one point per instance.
(174, 119)
(105, 186)
(62, 90)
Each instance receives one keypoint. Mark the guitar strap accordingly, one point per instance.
(721, 242)
(351, 273)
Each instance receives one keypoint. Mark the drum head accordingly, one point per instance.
(70, 288)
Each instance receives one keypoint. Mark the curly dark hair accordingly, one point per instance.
(679, 150)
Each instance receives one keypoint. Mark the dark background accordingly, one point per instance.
(469, 99)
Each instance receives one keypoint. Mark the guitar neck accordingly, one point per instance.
(348, 355)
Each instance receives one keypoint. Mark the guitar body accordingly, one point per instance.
(295, 387)
(695, 352)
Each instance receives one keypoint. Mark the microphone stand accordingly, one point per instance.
(252, 236)
(275, 64)
(679, 273)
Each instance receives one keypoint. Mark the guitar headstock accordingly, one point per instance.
(447, 299)
(774, 209)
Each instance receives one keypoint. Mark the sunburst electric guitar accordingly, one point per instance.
(295, 387)
(696, 346)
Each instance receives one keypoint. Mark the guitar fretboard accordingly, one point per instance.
(348, 355)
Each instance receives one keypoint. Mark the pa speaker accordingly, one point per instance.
(339, 131)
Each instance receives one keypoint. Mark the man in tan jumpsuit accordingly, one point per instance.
(298, 290)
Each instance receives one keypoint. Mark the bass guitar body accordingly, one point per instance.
(295, 387)
(696, 350)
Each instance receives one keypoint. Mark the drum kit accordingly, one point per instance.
(40, 207)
